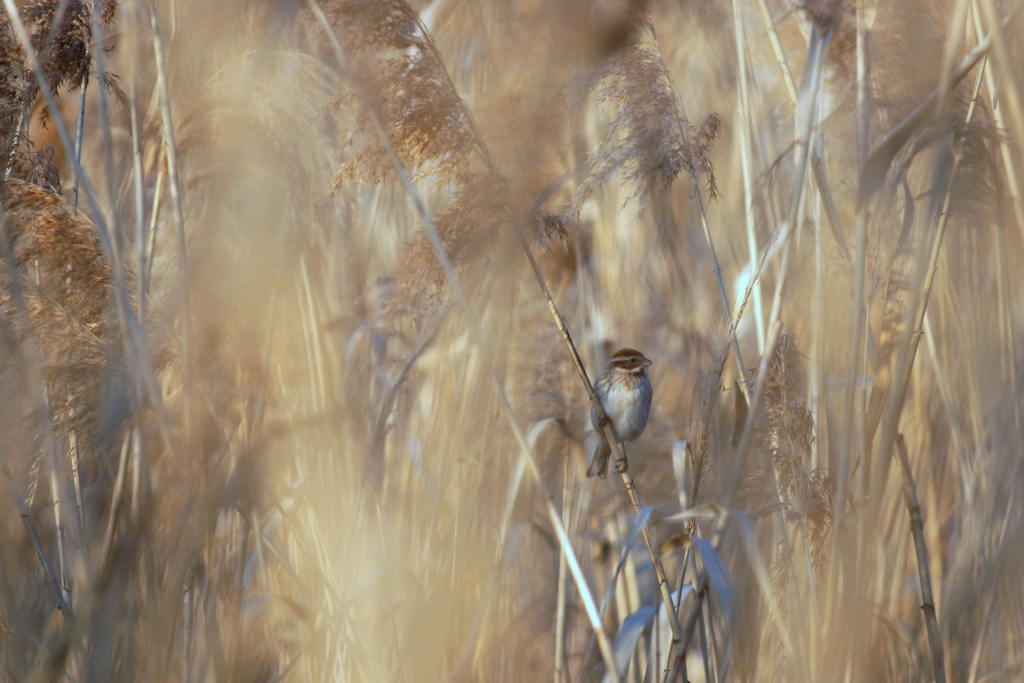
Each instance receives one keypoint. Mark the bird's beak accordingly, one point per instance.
(645, 362)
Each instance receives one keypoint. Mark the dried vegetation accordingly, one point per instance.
(248, 427)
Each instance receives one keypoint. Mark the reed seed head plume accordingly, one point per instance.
(784, 438)
(61, 33)
(11, 81)
(65, 286)
(648, 141)
(409, 91)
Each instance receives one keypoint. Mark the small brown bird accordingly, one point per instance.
(625, 393)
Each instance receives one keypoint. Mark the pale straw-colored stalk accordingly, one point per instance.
(745, 120)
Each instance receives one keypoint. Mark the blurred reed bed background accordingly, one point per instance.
(282, 397)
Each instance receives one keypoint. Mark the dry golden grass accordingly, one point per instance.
(282, 398)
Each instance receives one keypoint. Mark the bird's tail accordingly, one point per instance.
(599, 463)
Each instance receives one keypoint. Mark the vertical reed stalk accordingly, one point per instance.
(561, 594)
(745, 127)
(923, 568)
(840, 461)
(78, 140)
(116, 498)
(56, 493)
(138, 173)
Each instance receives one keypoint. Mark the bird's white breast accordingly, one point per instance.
(628, 404)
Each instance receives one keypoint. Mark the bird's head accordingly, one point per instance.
(630, 360)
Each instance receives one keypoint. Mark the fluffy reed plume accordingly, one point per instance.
(410, 91)
(11, 87)
(431, 130)
(61, 32)
(784, 438)
(648, 141)
(20, 159)
(62, 301)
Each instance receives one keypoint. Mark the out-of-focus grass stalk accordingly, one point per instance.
(174, 179)
(840, 460)
(78, 140)
(115, 501)
(158, 192)
(733, 322)
(831, 212)
(780, 54)
(1008, 333)
(946, 394)
(44, 559)
(704, 649)
(818, 324)
(106, 143)
(76, 482)
(59, 522)
(561, 593)
(138, 172)
(744, 125)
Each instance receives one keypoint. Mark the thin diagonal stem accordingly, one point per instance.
(30, 527)
(609, 434)
(741, 369)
